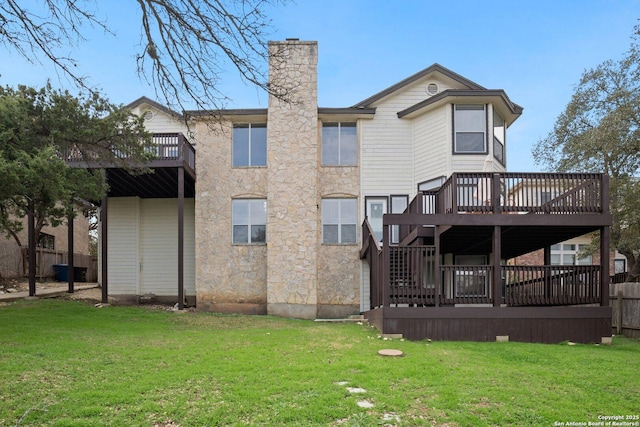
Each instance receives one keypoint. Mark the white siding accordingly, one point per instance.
(432, 132)
(122, 242)
(160, 122)
(159, 247)
(143, 246)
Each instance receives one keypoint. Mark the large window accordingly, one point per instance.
(339, 220)
(470, 126)
(249, 221)
(499, 135)
(339, 144)
(249, 145)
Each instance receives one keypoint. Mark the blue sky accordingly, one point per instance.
(534, 50)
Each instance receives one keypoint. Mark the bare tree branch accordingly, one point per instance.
(187, 46)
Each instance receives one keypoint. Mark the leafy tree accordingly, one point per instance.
(185, 44)
(599, 131)
(39, 131)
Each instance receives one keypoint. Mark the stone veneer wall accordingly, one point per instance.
(339, 266)
(292, 160)
(294, 274)
(229, 278)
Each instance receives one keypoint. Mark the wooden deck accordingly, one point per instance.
(418, 290)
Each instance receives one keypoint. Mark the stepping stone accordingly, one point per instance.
(365, 404)
(389, 352)
(356, 390)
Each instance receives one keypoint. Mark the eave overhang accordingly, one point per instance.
(261, 114)
(345, 114)
(498, 97)
(144, 100)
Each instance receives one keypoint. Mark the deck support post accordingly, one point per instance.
(547, 279)
(70, 250)
(436, 267)
(386, 264)
(605, 235)
(497, 268)
(104, 249)
(180, 238)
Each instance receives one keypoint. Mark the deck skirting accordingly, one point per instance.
(523, 324)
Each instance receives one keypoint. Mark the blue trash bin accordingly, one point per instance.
(62, 272)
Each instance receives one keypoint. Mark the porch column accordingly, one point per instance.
(180, 238)
(497, 268)
(436, 266)
(605, 235)
(104, 246)
(70, 260)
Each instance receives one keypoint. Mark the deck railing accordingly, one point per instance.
(412, 282)
(166, 146)
(551, 285)
(488, 192)
(412, 275)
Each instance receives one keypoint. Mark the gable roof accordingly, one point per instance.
(510, 110)
(154, 104)
(433, 68)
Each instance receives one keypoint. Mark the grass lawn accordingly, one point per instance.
(67, 363)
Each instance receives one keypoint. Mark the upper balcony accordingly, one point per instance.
(171, 152)
(534, 209)
(516, 193)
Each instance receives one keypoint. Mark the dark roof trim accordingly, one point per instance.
(230, 112)
(264, 111)
(145, 100)
(346, 110)
(514, 108)
(435, 67)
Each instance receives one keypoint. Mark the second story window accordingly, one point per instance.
(339, 144)
(249, 145)
(470, 129)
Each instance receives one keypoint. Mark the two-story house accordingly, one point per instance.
(270, 220)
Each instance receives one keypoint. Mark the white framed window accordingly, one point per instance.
(569, 254)
(339, 144)
(470, 129)
(249, 145)
(249, 220)
(499, 135)
(339, 221)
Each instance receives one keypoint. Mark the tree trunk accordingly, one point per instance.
(31, 249)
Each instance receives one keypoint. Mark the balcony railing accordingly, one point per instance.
(520, 193)
(166, 147)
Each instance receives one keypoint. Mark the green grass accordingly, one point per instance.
(67, 363)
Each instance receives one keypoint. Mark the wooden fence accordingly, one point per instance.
(625, 300)
(14, 263)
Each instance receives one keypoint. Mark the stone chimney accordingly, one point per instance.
(292, 163)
